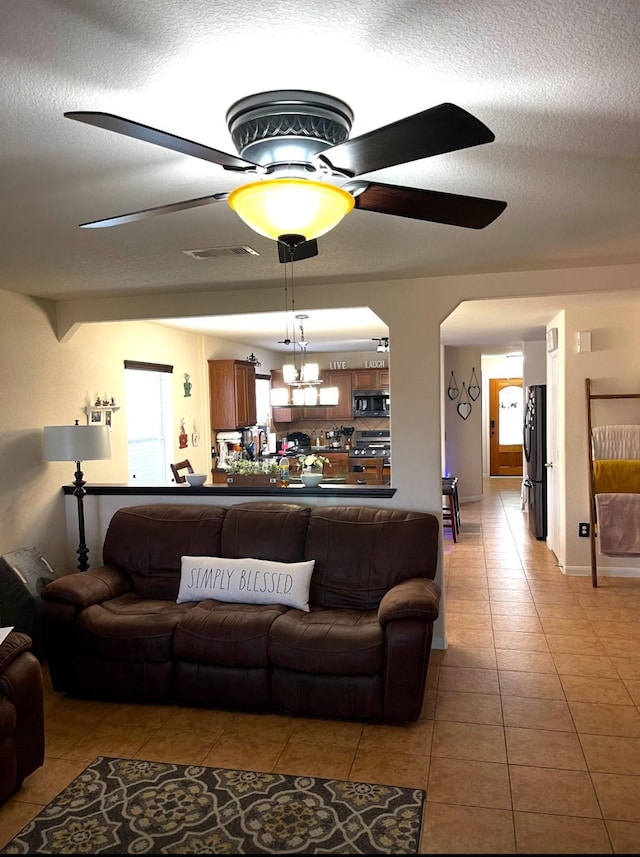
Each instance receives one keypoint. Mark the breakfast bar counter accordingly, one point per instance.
(222, 491)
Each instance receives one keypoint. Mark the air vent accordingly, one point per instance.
(217, 252)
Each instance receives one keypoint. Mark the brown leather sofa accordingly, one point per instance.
(21, 713)
(362, 650)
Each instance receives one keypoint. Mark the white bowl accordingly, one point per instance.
(196, 479)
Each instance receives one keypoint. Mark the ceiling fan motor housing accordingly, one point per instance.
(288, 127)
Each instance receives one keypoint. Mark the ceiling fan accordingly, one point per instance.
(297, 141)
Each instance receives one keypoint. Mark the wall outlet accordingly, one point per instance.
(583, 531)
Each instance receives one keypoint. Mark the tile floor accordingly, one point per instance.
(529, 740)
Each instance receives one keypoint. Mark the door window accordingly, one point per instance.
(510, 423)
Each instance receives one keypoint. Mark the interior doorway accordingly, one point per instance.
(505, 426)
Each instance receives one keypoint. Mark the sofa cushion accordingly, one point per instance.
(148, 542)
(269, 530)
(361, 552)
(340, 642)
(230, 635)
(245, 581)
(129, 628)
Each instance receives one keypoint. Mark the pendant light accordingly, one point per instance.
(302, 379)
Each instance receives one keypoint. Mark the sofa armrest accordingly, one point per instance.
(82, 589)
(417, 598)
(11, 647)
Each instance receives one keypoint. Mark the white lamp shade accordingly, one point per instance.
(289, 373)
(310, 395)
(279, 397)
(329, 395)
(310, 372)
(76, 443)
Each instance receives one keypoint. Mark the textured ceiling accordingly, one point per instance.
(557, 83)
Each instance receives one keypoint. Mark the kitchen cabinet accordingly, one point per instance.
(370, 379)
(340, 378)
(232, 394)
(367, 471)
(338, 463)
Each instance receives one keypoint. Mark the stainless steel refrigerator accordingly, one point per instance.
(535, 453)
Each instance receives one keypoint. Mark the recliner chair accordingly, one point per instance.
(21, 713)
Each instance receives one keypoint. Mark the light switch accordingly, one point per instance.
(584, 341)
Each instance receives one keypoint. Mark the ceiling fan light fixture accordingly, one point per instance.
(276, 207)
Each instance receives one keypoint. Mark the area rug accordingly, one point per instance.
(123, 806)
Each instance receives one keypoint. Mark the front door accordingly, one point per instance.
(505, 426)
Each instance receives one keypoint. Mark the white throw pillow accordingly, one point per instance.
(245, 581)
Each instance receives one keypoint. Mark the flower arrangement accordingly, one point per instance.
(313, 461)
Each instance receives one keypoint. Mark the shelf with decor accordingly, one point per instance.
(100, 415)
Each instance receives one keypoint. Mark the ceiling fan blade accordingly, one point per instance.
(304, 250)
(162, 138)
(440, 129)
(152, 212)
(472, 212)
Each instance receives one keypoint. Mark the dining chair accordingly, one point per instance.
(184, 466)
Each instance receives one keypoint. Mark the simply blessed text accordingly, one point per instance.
(242, 580)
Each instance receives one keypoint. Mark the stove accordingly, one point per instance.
(371, 444)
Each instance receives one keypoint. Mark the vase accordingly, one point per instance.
(311, 478)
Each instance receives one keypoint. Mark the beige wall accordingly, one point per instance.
(45, 382)
(463, 437)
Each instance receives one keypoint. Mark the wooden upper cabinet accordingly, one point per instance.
(370, 379)
(340, 378)
(232, 394)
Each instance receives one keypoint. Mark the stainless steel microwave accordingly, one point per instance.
(371, 403)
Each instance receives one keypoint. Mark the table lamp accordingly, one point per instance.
(77, 443)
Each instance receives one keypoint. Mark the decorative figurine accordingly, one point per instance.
(187, 385)
(183, 440)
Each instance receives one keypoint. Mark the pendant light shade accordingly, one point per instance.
(278, 207)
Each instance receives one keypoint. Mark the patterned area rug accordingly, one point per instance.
(121, 806)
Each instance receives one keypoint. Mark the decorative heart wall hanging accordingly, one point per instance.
(464, 405)
(474, 388)
(453, 390)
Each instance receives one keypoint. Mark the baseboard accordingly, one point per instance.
(605, 571)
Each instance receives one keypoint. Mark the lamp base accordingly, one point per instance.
(78, 493)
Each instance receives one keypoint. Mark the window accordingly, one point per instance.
(149, 421)
(263, 400)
